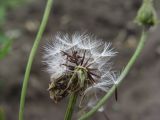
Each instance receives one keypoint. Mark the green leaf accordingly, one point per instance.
(5, 46)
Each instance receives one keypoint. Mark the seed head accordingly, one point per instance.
(78, 63)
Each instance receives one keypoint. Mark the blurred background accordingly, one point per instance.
(138, 96)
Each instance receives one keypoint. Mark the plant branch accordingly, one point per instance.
(32, 55)
(121, 77)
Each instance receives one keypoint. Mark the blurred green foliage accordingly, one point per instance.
(2, 114)
(5, 5)
(5, 41)
(5, 47)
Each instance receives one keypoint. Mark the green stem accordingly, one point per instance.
(121, 77)
(72, 100)
(32, 55)
(70, 106)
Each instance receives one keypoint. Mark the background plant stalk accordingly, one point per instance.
(121, 77)
(32, 56)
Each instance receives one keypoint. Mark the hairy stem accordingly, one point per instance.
(31, 57)
(70, 106)
(121, 77)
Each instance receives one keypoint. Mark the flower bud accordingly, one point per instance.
(146, 15)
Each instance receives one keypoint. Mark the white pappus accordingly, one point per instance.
(67, 53)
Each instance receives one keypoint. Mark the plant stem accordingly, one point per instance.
(70, 106)
(31, 57)
(121, 77)
(72, 100)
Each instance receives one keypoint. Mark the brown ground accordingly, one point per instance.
(111, 20)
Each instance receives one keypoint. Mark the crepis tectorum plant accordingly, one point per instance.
(79, 63)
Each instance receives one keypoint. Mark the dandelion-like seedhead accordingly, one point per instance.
(79, 63)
